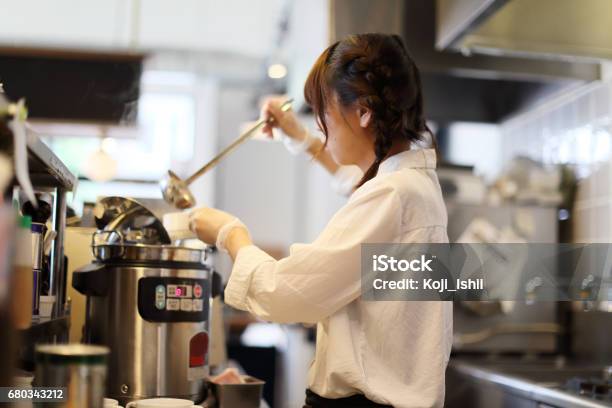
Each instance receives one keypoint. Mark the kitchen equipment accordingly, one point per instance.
(161, 402)
(245, 395)
(176, 191)
(542, 382)
(507, 327)
(38, 238)
(79, 368)
(596, 388)
(127, 220)
(149, 302)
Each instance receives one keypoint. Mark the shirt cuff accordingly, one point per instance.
(247, 261)
(296, 147)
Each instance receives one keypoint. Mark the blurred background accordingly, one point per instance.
(518, 92)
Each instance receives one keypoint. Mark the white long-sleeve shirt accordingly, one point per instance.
(393, 352)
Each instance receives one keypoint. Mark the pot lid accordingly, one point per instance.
(126, 221)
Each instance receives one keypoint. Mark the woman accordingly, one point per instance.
(366, 94)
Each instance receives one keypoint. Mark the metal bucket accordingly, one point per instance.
(78, 368)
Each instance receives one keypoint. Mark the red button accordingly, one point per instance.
(197, 291)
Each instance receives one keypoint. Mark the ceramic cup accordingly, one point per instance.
(161, 402)
(110, 403)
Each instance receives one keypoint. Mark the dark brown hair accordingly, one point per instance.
(375, 71)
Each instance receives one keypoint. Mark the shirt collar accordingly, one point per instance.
(409, 159)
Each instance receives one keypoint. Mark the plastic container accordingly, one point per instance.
(46, 305)
(23, 278)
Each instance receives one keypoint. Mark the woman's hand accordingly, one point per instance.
(286, 121)
(291, 126)
(216, 227)
(207, 222)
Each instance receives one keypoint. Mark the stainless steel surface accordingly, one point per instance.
(132, 221)
(57, 278)
(551, 29)
(46, 169)
(532, 383)
(247, 395)
(456, 18)
(142, 252)
(490, 88)
(471, 338)
(591, 336)
(148, 359)
(176, 191)
(512, 326)
(72, 350)
(158, 338)
(80, 368)
(607, 373)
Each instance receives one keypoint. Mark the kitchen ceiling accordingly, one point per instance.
(478, 88)
(556, 29)
(482, 88)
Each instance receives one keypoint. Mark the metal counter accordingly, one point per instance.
(517, 384)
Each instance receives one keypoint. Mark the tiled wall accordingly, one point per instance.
(574, 128)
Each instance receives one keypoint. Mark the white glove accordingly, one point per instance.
(213, 226)
(295, 146)
(225, 230)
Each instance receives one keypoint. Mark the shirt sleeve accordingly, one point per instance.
(316, 279)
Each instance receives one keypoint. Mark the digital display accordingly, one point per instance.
(180, 291)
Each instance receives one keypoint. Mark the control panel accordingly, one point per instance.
(165, 299)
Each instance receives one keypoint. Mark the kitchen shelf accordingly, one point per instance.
(46, 169)
(47, 174)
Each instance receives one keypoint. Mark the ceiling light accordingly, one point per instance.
(277, 71)
(100, 167)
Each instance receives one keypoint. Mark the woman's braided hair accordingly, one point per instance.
(374, 71)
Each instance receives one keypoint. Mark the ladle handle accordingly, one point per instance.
(237, 142)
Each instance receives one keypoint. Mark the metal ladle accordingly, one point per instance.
(176, 191)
